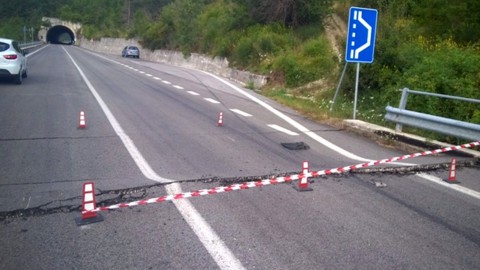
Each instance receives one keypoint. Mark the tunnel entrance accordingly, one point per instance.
(60, 35)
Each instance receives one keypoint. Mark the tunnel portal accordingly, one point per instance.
(60, 34)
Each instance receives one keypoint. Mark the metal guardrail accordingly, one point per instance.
(31, 44)
(442, 125)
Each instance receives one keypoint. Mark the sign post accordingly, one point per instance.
(362, 26)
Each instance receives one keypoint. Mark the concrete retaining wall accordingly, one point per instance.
(217, 65)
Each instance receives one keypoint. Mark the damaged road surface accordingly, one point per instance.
(161, 123)
(105, 198)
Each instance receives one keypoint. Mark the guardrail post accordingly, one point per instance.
(402, 106)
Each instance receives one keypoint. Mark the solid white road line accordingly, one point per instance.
(237, 111)
(131, 147)
(458, 188)
(321, 140)
(211, 241)
(284, 130)
(215, 246)
(292, 122)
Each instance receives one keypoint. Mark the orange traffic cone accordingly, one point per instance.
(89, 204)
(220, 119)
(82, 123)
(452, 174)
(303, 182)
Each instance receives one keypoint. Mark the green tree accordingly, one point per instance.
(288, 12)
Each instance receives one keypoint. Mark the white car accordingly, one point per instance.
(13, 63)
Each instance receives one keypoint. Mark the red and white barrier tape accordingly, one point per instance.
(278, 180)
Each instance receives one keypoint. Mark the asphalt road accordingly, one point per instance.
(152, 130)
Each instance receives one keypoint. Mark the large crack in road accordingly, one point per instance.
(116, 196)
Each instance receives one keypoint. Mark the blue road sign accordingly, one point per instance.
(362, 25)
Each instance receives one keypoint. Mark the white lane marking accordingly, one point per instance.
(149, 75)
(458, 188)
(215, 246)
(222, 255)
(193, 93)
(212, 100)
(237, 111)
(156, 78)
(178, 87)
(284, 130)
(141, 72)
(166, 82)
(131, 147)
(292, 122)
(32, 53)
(310, 133)
(135, 69)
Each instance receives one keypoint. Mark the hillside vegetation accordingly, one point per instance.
(424, 45)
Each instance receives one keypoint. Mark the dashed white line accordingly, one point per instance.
(149, 75)
(156, 78)
(237, 111)
(178, 87)
(141, 72)
(284, 130)
(193, 93)
(166, 82)
(212, 100)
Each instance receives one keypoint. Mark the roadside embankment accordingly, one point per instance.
(216, 65)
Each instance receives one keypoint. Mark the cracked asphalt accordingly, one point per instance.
(126, 195)
(394, 216)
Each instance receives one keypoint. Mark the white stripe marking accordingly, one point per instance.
(149, 75)
(309, 133)
(141, 72)
(212, 100)
(166, 82)
(458, 188)
(156, 78)
(292, 122)
(89, 206)
(222, 255)
(178, 87)
(131, 147)
(212, 242)
(193, 93)
(284, 130)
(241, 112)
(88, 197)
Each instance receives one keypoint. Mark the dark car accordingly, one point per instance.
(131, 51)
